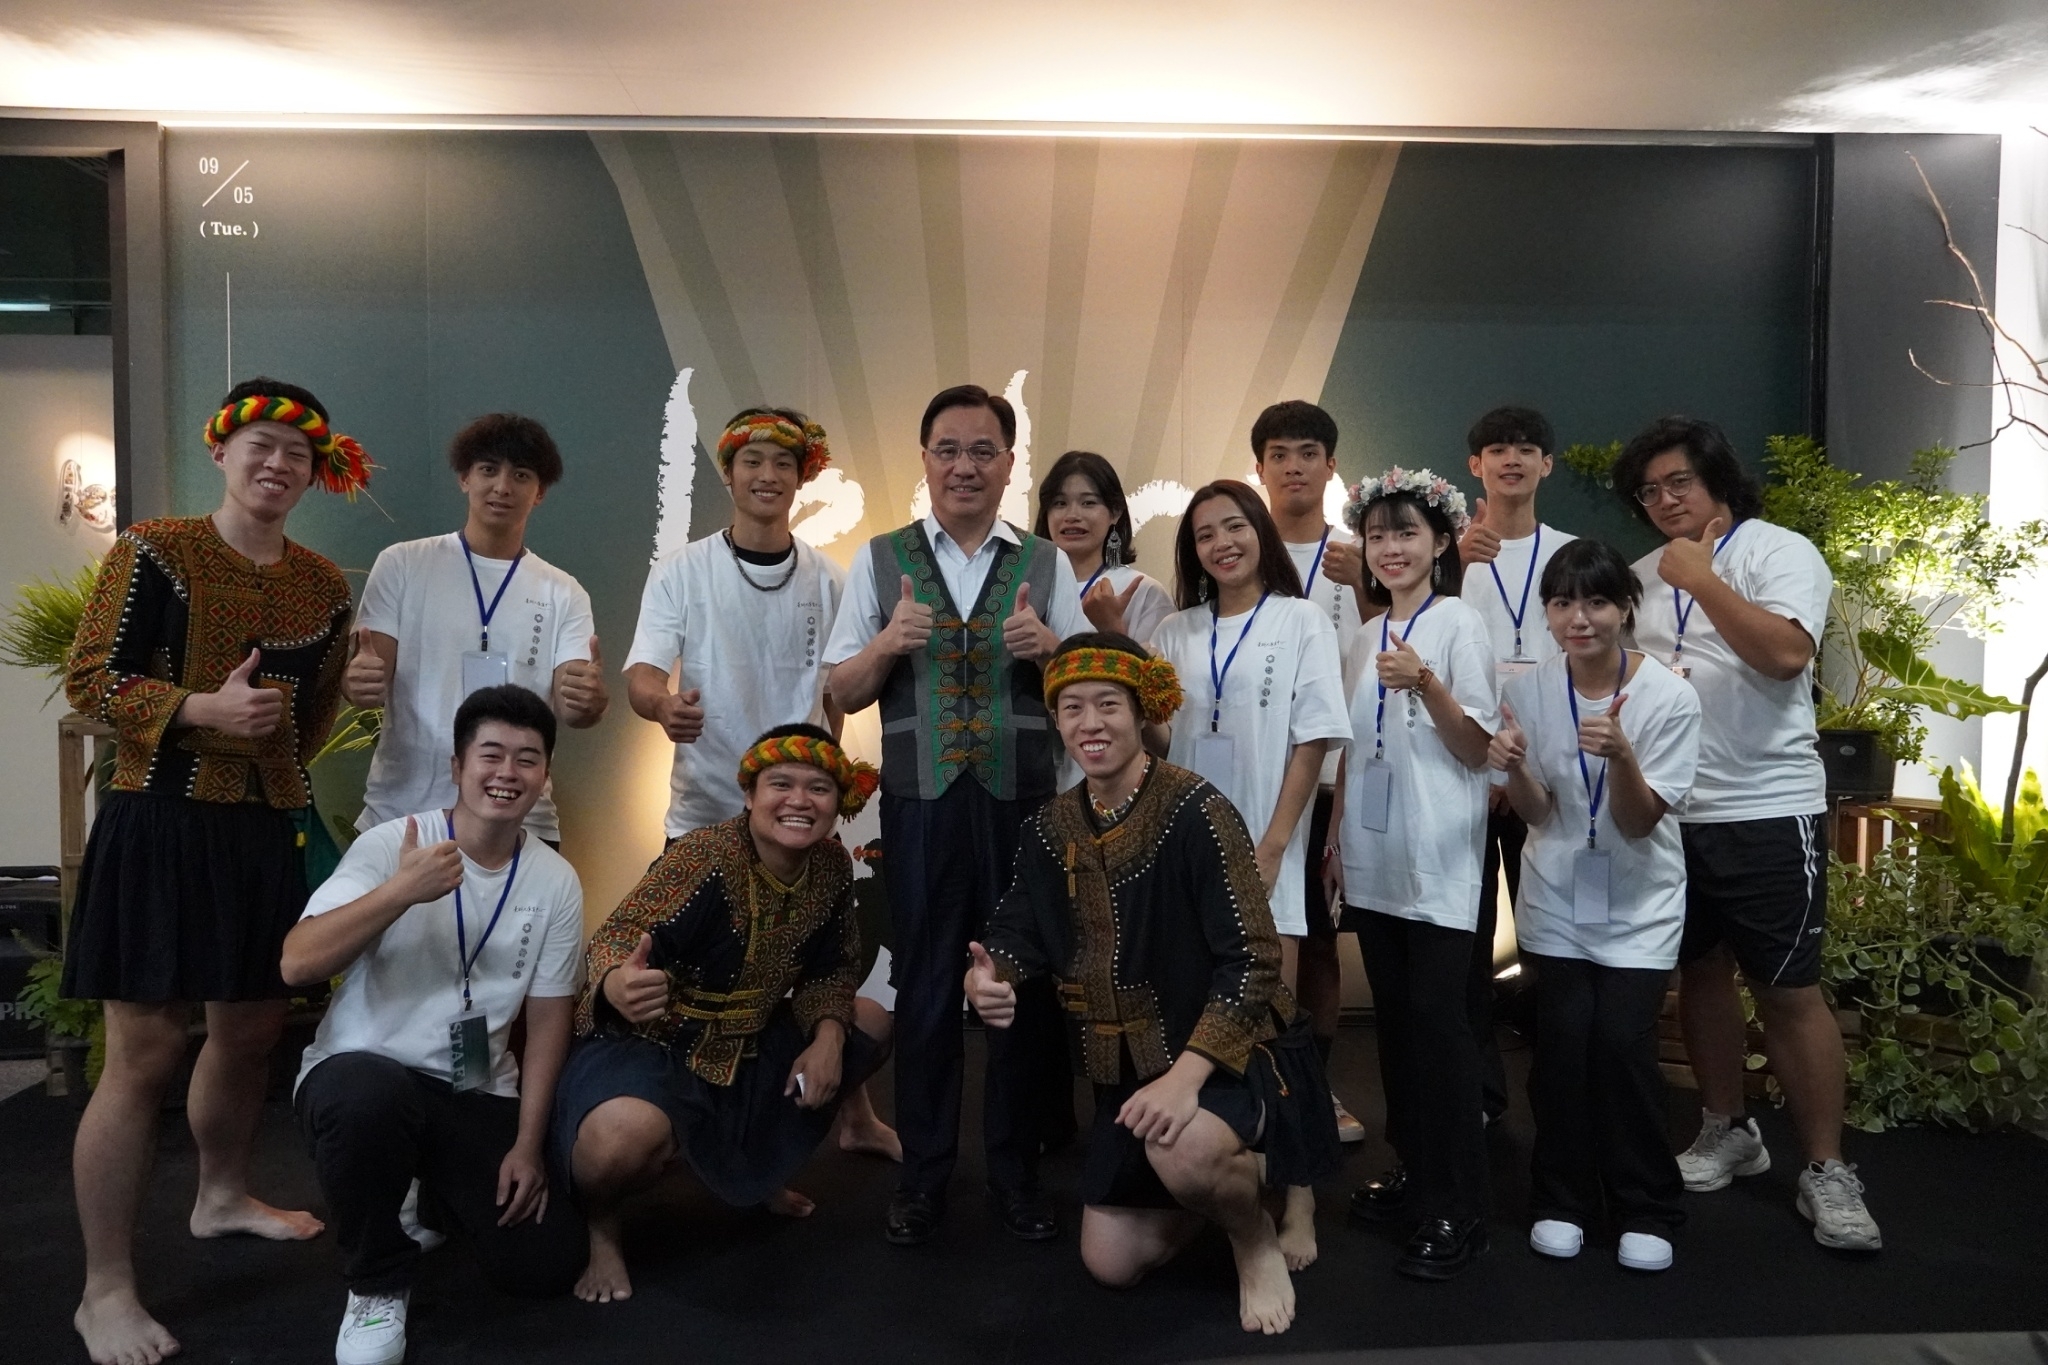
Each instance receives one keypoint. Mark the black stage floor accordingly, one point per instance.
(1965, 1222)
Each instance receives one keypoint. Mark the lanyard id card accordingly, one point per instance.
(1592, 870)
(1372, 793)
(1509, 668)
(469, 1050)
(1216, 760)
(481, 670)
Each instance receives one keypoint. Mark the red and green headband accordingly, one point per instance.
(807, 442)
(857, 780)
(1153, 681)
(339, 463)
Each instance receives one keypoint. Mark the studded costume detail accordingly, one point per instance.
(735, 942)
(175, 609)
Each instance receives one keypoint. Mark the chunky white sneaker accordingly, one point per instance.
(1349, 1129)
(1555, 1237)
(409, 1220)
(1644, 1251)
(1721, 1152)
(1831, 1197)
(373, 1330)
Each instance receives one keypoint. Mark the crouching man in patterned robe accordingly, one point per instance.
(719, 1021)
(1138, 892)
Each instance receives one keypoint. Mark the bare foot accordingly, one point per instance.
(119, 1331)
(871, 1136)
(1298, 1228)
(247, 1214)
(790, 1204)
(604, 1280)
(1265, 1292)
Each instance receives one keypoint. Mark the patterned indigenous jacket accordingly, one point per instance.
(1156, 929)
(175, 609)
(735, 942)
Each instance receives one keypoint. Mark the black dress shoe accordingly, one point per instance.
(1385, 1197)
(913, 1218)
(1441, 1248)
(1025, 1214)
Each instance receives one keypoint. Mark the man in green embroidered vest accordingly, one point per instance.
(945, 622)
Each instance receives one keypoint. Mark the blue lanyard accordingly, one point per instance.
(1100, 570)
(1379, 720)
(484, 612)
(1594, 790)
(462, 953)
(1516, 614)
(1216, 678)
(1308, 584)
(1684, 611)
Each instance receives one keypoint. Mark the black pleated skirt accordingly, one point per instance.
(184, 900)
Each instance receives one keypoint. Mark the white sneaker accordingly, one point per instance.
(1721, 1152)
(1831, 1197)
(1644, 1251)
(373, 1330)
(1349, 1129)
(409, 1220)
(1555, 1237)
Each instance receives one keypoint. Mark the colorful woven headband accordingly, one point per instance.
(339, 464)
(807, 441)
(857, 780)
(1154, 681)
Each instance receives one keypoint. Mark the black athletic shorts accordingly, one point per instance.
(1761, 887)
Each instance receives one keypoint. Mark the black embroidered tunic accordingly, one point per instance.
(1157, 929)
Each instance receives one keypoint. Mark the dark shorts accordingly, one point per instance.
(1761, 887)
(184, 900)
(744, 1140)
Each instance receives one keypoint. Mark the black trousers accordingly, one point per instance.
(1599, 1097)
(374, 1127)
(1321, 927)
(1505, 834)
(947, 863)
(1429, 1067)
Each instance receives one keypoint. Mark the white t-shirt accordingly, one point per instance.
(756, 656)
(862, 614)
(1336, 601)
(1285, 687)
(1646, 879)
(1514, 583)
(419, 593)
(1759, 754)
(1425, 865)
(399, 997)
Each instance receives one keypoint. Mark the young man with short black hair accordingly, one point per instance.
(444, 616)
(1738, 606)
(1294, 447)
(445, 925)
(1510, 451)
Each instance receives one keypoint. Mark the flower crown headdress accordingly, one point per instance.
(1433, 489)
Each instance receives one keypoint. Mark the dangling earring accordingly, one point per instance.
(1113, 549)
(1436, 573)
(1202, 588)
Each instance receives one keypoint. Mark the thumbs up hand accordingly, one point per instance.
(425, 874)
(910, 622)
(1688, 564)
(580, 694)
(682, 715)
(1481, 543)
(1024, 635)
(240, 706)
(1106, 608)
(994, 1000)
(1602, 737)
(367, 680)
(1342, 563)
(1509, 747)
(637, 989)
(1400, 668)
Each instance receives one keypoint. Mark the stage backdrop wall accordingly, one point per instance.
(1140, 297)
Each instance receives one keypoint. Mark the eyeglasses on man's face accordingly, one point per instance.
(981, 452)
(1677, 485)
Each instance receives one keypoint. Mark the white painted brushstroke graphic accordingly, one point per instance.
(677, 469)
(1159, 498)
(827, 507)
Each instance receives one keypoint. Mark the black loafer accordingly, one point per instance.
(1025, 1214)
(1441, 1249)
(913, 1218)
(1385, 1197)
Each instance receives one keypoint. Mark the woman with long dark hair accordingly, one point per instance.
(1081, 509)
